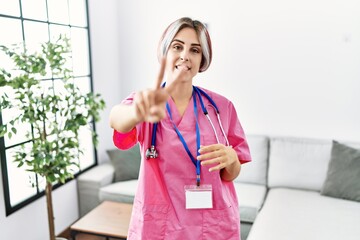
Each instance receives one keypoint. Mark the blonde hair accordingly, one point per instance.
(203, 35)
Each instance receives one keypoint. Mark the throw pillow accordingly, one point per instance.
(343, 176)
(125, 162)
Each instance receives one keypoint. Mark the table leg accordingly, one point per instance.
(73, 234)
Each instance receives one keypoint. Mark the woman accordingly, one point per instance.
(185, 186)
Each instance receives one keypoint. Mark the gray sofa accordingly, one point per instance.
(294, 189)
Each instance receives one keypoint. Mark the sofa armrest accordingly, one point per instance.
(89, 184)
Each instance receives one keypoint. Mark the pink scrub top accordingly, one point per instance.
(159, 206)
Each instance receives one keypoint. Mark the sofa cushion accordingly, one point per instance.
(298, 215)
(255, 171)
(298, 162)
(89, 183)
(98, 176)
(123, 191)
(343, 176)
(251, 198)
(125, 162)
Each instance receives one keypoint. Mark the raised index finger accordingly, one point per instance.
(161, 73)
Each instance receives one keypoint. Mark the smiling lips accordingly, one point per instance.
(183, 66)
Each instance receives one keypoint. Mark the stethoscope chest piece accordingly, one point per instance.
(151, 152)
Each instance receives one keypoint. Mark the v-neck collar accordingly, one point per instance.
(185, 122)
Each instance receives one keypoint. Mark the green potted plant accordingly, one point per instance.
(55, 118)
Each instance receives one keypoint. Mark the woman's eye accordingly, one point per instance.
(196, 50)
(177, 47)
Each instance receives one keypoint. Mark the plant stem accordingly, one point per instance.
(48, 192)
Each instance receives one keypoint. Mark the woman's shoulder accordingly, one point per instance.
(217, 97)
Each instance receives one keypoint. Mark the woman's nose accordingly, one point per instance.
(184, 56)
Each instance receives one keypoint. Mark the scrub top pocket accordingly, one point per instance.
(153, 222)
(221, 220)
(148, 222)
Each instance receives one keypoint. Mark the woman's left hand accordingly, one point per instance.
(219, 154)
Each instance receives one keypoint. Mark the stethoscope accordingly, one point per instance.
(152, 153)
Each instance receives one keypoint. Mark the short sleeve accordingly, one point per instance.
(126, 140)
(237, 137)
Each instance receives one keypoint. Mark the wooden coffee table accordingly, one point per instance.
(109, 219)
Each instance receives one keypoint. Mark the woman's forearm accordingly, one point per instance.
(231, 172)
(123, 118)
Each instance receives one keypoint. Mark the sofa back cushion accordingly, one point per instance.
(298, 162)
(126, 163)
(256, 170)
(342, 179)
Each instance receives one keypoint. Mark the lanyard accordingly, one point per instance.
(194, 160)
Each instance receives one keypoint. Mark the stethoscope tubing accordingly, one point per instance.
(151, 152)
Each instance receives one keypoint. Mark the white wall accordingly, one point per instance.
(290, 67)
(104, 35)
(31, 221)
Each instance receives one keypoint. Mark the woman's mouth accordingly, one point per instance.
(183, 67)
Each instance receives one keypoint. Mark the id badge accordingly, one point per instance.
(198, 197)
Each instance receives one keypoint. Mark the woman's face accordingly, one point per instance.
(184, 56)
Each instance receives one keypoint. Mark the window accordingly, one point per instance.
(37, 21)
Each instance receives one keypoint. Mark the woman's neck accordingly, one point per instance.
(182, 93)
(181, 96)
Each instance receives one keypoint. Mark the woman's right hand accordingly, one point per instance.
(150, 104)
